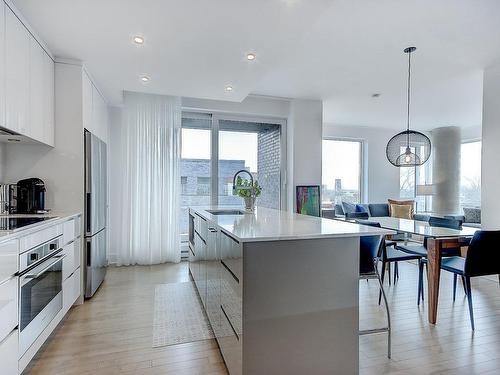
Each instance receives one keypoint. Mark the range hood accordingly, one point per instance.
(8, 136)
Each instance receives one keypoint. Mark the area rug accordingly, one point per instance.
(178, 315)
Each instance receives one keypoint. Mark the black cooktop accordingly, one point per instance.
(13, 223)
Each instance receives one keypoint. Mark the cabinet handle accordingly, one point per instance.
(230, 324)
(201, 238)
(231, 272)
(228, 236)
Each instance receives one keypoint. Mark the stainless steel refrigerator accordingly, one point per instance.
(95, 212)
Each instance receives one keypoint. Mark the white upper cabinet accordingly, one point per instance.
(17, 77)
(49, 100)
(95, 109)
(41, 112)
(29, 83)
(37, 94)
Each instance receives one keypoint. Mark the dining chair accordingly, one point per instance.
(388, 254)
(483, 258)
(369, 247)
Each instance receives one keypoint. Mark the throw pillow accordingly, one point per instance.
(401, 203)
(401, 211)
(360, 208)
(348, 207)
(472, 215)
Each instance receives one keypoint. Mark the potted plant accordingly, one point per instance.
(248, 192)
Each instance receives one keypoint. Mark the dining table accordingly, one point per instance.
(438, 239)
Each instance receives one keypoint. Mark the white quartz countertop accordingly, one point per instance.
(52, 218)
(266, 224)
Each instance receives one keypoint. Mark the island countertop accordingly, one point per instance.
(266, 224)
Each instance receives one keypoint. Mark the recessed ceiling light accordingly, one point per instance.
(229, 88)
(251, 56)
(144, 79)
(138, 39)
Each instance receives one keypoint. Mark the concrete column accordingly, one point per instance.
(446, 146)
(490, 159)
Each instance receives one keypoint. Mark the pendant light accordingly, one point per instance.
(408, 148)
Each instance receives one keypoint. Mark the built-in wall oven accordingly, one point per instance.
(40, 295)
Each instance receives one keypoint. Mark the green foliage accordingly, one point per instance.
(245, 189)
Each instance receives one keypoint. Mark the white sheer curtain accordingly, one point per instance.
(149, 190)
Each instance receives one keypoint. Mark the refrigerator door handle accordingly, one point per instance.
(88, 213)
(89, 262)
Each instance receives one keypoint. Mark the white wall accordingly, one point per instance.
(304, 146)
(251, 105)
(115, 122)
(381, 177)
(490, 178)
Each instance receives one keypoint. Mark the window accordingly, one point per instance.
(256, 148)
(410, 177)
(239, 143)
(184, 185)
(203, 186)
(195, 165)
(470, 174)
(341, 175)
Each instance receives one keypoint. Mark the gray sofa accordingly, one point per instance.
(470, 218)
(373, 209)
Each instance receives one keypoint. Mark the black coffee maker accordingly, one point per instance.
(31, 196)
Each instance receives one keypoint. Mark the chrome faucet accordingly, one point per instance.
(244, 188)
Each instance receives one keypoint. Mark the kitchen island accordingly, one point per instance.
(280, 289)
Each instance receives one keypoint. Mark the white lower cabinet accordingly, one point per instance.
(68, 266)
(8, 354)
(8, 306)
(71, 289)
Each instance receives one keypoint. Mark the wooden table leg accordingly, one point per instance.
(433, 273)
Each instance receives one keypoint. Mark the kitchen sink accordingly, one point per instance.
(226, 212)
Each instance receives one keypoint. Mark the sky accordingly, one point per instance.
(341, 159)
(232, 146)
(470, 163)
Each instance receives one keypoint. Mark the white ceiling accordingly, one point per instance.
(340, 51)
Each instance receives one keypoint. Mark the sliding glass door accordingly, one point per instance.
(256, 148)
(216, 146)
(196, 135)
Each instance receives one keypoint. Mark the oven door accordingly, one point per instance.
(40, 299)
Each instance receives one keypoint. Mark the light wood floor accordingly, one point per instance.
(112, 333)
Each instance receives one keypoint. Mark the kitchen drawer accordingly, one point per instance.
(69, 233)
(231, 252)
(201, 226)
(231, 299)
(71, 289)
(32, 240)
(68, 266)
(8, 306)
(9, 354)
(230, 344)
(77, 252)
(9, 259)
